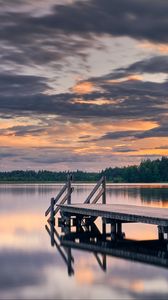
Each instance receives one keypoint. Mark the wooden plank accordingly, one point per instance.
(63, 201)
(129, 213)
(94, 190)
(56, 199)
(98, 196)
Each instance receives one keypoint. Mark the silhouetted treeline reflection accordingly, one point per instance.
(145, 194)
(147, 171)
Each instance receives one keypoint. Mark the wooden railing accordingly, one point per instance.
(58, 201)
(67, 189)
(102, 192)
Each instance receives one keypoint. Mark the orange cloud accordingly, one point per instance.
(162, 48)
(99, 101)
(131, 77)
(83, 88)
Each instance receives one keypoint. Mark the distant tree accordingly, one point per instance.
(147, 171)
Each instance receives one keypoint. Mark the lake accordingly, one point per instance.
(32, 269)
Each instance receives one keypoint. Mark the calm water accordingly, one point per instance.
(32, 269)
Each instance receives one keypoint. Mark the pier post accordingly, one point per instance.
(119, 229)
(69, 188)
(52, 221)
(104, 227)
(160, 233)
(52, 214)
(104, 192)
(113, 230)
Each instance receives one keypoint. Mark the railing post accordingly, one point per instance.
(104, 192)
(69, 189)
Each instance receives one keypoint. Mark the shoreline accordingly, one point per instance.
(86, 182)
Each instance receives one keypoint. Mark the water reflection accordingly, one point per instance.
(103, 244)
(147, 195)
(32, 269)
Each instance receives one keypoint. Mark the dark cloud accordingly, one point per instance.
(45, 156)
(137, 19)
(153, 65)
(162, 147)
(20, 85)
(123, 149)
(131, 99)
(68, 29)
(118, 135)
(44, 39)
(23, 130)
(160, 131)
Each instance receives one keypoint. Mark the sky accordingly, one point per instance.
(83, 84)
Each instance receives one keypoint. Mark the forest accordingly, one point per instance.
(146, 172)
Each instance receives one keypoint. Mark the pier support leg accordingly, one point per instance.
(119, 228)
(104, 227)
(160, 233)
(52, 215)
(120, 234)
(69, 189)
(104, 193)
(113, 231)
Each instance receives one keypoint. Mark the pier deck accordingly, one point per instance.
(117, 212)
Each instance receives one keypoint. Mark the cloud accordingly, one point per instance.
(57, 32)
(153, 65)
(45, 155)
(130, 99)
(34, 130)
(123, 149)
(158, 132)
(21, 85)
(83, 17)
(42, 47)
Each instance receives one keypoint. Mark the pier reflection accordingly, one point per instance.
(103, 244)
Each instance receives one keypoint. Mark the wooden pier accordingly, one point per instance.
(113, 214)
(79, 229)
(116, 212)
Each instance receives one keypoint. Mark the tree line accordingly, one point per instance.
(147, 171)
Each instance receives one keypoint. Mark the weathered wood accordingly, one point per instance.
(104, 192)
(56, 199)
(98, 196)
(63, 201)
(116, 212)
(69, 189)
(52, 219)
(94, 190)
